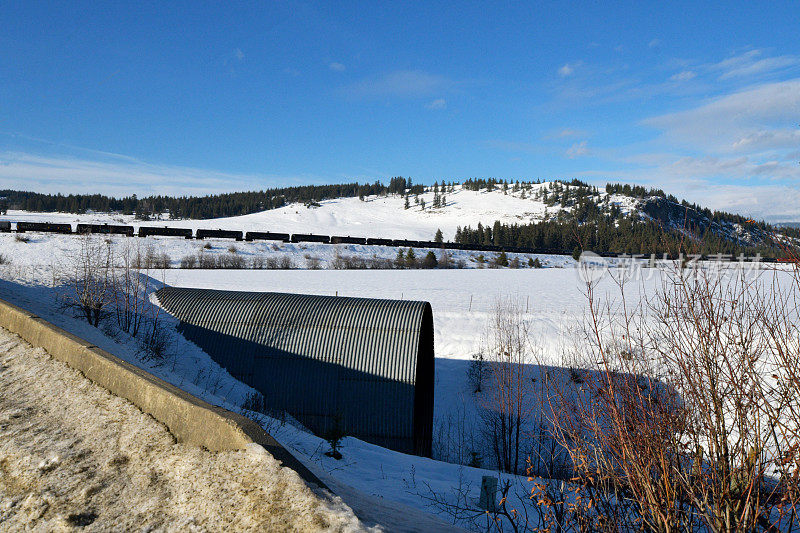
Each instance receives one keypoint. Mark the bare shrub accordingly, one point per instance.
(130, 288)
(455, 439)
(357, 262)
(21, 238)
(189, 261)
(230, 261)
(444, 259)
(286, 263)
(87, 279)
(152, 259)
(312, 262)
(257, 262)
(684, 420)
(379, 263)
(4, 260)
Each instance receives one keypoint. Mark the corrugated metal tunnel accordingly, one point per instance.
(367, 362)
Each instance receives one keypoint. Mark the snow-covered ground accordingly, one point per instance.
(462, 301)
(551, 300)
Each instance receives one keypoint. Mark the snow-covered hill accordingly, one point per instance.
(375, 216)
(419, 216)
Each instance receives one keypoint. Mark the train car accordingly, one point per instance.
(107, 229)
(452, 246)
(404, 243)
(266, 236)
(147, 231)
(219, 234)
(336, 239)
(379, 242)
(43, 227)
(5, 226)
(310, 237)
(428, 244)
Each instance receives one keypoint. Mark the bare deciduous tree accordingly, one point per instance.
(505, 400)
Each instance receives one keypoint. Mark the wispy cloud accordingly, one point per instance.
(568, 132)
(238, 54)
(578, 149)
(684, 75)
(760, 117)
(402, 84)
(439, 103)
(122, 176)
(566, 70)
(654, 43)
(751, 63)
(736, 152)
(337, 67)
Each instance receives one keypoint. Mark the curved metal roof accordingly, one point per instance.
(367, 360)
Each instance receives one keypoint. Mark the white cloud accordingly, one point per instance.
(752, 63)
(569, 132)
(578, 149)
(566, 70)
(238, 54)
(654, 43)
(337, 67)
(439, 103)
(738, 152)
(401, 83)
(763, 116)
(684, 75)
(122, 176)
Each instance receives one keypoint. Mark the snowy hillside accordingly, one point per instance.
(375, 216)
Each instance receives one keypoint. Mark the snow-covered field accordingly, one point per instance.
(382, 486)
(369, 478)
(462, 300)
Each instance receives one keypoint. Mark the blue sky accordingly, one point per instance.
(700, 99)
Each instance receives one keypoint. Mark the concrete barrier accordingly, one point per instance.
(189, 419)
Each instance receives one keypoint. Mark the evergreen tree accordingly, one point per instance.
(430, 260)
(400, 260)
(411, 258)
(407, 205)
(439, 238)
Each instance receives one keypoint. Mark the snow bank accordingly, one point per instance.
(72, 454)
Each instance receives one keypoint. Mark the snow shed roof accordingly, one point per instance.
(366, 364)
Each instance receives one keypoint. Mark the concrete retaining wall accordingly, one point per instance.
(188, 418)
